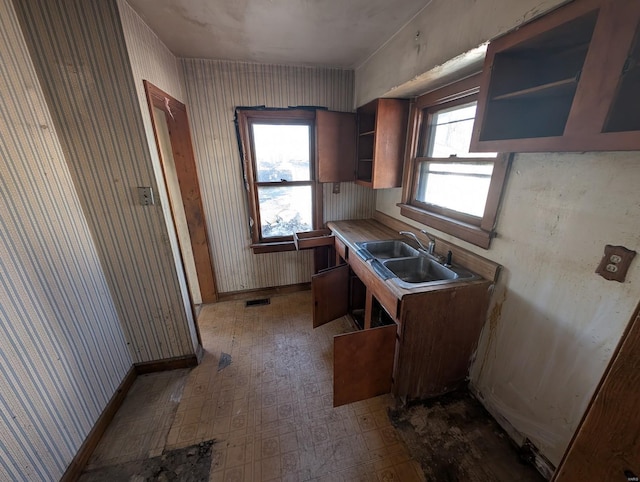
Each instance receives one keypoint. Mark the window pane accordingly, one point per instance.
(281, 152)
(285, 210)
(450, 132)
(461, 186)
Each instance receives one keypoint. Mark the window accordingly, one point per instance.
(450, 188)
(278, 150)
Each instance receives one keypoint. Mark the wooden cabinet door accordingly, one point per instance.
(607, 443)
(335, 146)
(330, 293)
(363, 364)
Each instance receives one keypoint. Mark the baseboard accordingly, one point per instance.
(85, 451)
(187, 361)
(263, 292)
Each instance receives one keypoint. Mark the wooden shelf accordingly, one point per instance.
(560, 87)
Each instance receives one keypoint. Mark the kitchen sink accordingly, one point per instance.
(419, 270)
(393, 248)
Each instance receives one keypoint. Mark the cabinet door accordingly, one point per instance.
(330, 293)
(363, 364)
(336, 146)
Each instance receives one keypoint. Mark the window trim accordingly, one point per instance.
(463, 227)
(245, 117)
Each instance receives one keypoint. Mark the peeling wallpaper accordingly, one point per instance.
(62, 350)
(214, 89)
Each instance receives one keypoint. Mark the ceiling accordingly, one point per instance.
(329, 33)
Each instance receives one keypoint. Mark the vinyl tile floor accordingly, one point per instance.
(263, 392)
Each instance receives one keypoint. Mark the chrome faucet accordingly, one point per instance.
(432, 241)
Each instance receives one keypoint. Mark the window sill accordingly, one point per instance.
(466, 232)
(260, 248)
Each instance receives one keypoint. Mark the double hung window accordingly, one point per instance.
(450, 188)
(278, 149)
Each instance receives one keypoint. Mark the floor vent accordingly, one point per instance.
(260, 302)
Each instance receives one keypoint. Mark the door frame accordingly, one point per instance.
(184, 159)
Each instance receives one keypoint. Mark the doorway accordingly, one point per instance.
(173, 139)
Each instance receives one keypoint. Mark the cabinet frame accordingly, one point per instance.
(615, 29)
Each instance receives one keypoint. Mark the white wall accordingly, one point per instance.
(554, 323)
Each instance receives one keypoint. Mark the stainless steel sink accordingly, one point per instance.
(393, 248)
(419, 270)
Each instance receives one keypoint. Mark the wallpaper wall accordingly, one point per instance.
(62, 350)
(213, 90)
(80, 55)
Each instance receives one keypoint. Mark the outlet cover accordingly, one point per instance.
(615, 263)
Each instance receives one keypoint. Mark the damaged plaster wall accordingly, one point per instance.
(444, 30)
(553, 323)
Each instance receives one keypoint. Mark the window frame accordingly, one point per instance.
(245, 118)
(477, 231)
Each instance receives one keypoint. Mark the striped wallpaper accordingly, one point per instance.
(213, 90)
(62, 350)
(151, 60)
(80, 54)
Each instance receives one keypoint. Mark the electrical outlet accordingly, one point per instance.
(145, 195)
(615, 263)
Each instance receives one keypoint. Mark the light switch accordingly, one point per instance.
(615, 263)
(145, 195)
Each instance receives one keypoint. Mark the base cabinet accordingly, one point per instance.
(420, 350)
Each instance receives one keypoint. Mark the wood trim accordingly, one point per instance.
(466, 232)
(457, 90)
(175, 363)
(186, 170)
(91, 441)
(264, 292)
(245, 116)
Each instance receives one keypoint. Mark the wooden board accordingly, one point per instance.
(329, 290)
(606, 443)
(336, 146)
(363, 364)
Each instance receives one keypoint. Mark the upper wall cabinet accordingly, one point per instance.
(569, 81)
(367, 147)
(382, 133)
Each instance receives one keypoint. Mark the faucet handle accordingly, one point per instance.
(431, 238)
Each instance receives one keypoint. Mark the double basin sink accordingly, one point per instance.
(409, 267)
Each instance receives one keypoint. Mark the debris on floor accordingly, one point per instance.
(224, 362)
(454, 438)
(188, 464)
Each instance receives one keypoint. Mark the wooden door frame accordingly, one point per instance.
(184, 159)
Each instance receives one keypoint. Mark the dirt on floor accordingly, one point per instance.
(189, 464)
(455, 439)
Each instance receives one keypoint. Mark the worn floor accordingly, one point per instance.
(263, 396)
